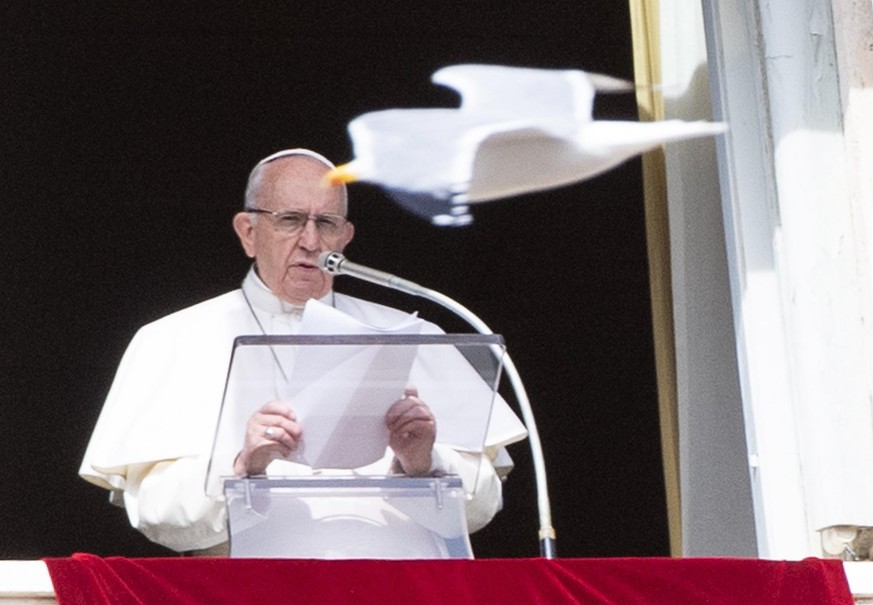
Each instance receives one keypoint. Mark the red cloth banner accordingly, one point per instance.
(88, 579)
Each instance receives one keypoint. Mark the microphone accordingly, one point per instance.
(335, 263)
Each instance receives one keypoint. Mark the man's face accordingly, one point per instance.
(287, 263)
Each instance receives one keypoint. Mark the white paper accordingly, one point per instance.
(341, 393)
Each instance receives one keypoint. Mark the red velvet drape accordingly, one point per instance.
(87, 579)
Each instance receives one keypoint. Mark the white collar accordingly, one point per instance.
(262, 298)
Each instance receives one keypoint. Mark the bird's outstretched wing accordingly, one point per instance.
(524, 160)
(521, 93)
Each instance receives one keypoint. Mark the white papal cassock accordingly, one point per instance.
(153, 439)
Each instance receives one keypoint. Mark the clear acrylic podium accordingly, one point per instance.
(336, 496)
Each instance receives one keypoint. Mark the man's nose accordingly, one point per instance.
(309, 237)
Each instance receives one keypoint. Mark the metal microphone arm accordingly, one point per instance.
(335, 263)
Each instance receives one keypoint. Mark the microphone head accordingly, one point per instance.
(331, 262)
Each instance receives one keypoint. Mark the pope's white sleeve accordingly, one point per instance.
(481, 484)
(167, 502)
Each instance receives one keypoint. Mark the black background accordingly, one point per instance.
(126, 135)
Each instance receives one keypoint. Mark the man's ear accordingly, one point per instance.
(347, 237)
(245, 230)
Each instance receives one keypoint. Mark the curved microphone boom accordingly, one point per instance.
(335, 263)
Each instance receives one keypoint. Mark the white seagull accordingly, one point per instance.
(518, 130)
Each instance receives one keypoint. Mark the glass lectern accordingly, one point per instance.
(337, 496)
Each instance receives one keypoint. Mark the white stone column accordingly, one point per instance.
(790, 77)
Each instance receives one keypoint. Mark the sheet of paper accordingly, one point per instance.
(341, 393)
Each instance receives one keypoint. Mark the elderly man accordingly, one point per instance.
(152, 442)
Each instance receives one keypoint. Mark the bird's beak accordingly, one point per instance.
(340, 175)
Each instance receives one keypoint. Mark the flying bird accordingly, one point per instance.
(517, 130)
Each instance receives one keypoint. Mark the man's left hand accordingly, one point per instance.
(411, 433)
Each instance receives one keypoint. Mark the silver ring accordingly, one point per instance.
(269, 431)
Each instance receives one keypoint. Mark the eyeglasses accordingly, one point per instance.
(327, 225)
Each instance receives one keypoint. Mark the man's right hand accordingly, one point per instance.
(272, 432)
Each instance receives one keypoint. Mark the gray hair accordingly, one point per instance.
(253, 186)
